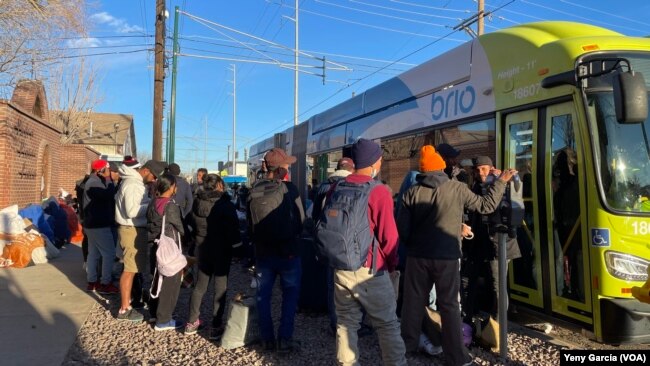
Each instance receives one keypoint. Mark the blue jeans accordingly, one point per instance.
(289, 270)
(101, 246)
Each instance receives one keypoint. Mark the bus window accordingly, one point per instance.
(520, 151)
(624, 151)
(567, 234)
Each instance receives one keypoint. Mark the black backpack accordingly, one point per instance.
(79, 191)
(343, 232)
(272, 217)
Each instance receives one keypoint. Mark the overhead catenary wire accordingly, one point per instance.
(367, 76)
(382, 15)
(604, 12)
(430, 7)
(594, 21)
(380, 27)
(250, 35)
(191, 38)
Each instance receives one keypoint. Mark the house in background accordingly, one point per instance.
(109, 133)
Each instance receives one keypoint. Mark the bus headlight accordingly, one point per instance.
(626, 267)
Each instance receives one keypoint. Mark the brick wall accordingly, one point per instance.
(33, 162)
(77, 160)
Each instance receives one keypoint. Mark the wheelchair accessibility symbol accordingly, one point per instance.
(600, 237)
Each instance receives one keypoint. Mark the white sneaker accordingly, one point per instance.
(427, 347)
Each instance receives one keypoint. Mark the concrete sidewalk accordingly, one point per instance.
(42, 308)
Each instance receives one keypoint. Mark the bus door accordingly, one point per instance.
(565, 192)
(521, 152)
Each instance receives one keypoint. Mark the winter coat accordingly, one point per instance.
(216, 231)
(99, 202)
(132, 199)
(430, 219)
(484, 246)
(184, 195)
(201, 208)
(173, 222)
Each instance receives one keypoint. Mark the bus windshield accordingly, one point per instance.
(622, 150)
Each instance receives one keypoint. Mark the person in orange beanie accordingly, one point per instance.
(429, 224)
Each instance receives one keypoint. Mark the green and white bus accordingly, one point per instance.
(566, 105)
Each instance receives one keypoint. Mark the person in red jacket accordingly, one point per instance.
(374, 292)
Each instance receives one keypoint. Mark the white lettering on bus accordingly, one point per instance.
(527, 91)
(509, 73)
(641, 227)
(456, 101)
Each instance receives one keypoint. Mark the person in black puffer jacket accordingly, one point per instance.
(216, 233)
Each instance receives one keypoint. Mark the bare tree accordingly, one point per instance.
(73, 93)
(143, 156)
(33, 34)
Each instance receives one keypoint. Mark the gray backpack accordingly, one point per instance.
(343, 234)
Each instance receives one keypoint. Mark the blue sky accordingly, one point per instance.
(364, 36)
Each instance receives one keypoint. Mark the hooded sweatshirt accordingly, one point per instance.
(429, 221)
(131, 200)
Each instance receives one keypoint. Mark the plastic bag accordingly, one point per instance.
(241, 328)
(21, 248)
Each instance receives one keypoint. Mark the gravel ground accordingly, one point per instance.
(105, 341)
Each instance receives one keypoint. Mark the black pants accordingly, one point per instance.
(84, 245)
(220, 287)
(164, 305)
(421, 275)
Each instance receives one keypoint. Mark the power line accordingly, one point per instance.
(94, 54)
(430, 7)
(369, 75)
(405, 11)
(380, 27)
(578, 16)
(382, 15)
(604, 12)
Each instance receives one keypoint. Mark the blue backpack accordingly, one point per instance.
(343, 234)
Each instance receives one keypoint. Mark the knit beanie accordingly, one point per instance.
(430, 160)
(365, 153)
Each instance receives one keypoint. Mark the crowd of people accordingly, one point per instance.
(133, 210)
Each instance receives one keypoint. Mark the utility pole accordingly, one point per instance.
(205, 141)
(172, 107)
(481, 12)
(228, 155)
(234, 118)
(159, 79)
(295, 71)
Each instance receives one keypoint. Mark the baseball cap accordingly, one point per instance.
(131, 162)
(482, 160)
(345, 164)
(276, 157)
(447, 151)
(99, 164)
(156, 167)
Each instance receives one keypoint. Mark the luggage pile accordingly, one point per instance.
(33, 234)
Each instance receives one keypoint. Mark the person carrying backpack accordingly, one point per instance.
(363, 253)
(275, 216)
(163, 209)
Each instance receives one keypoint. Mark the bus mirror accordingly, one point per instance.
(630, 97)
